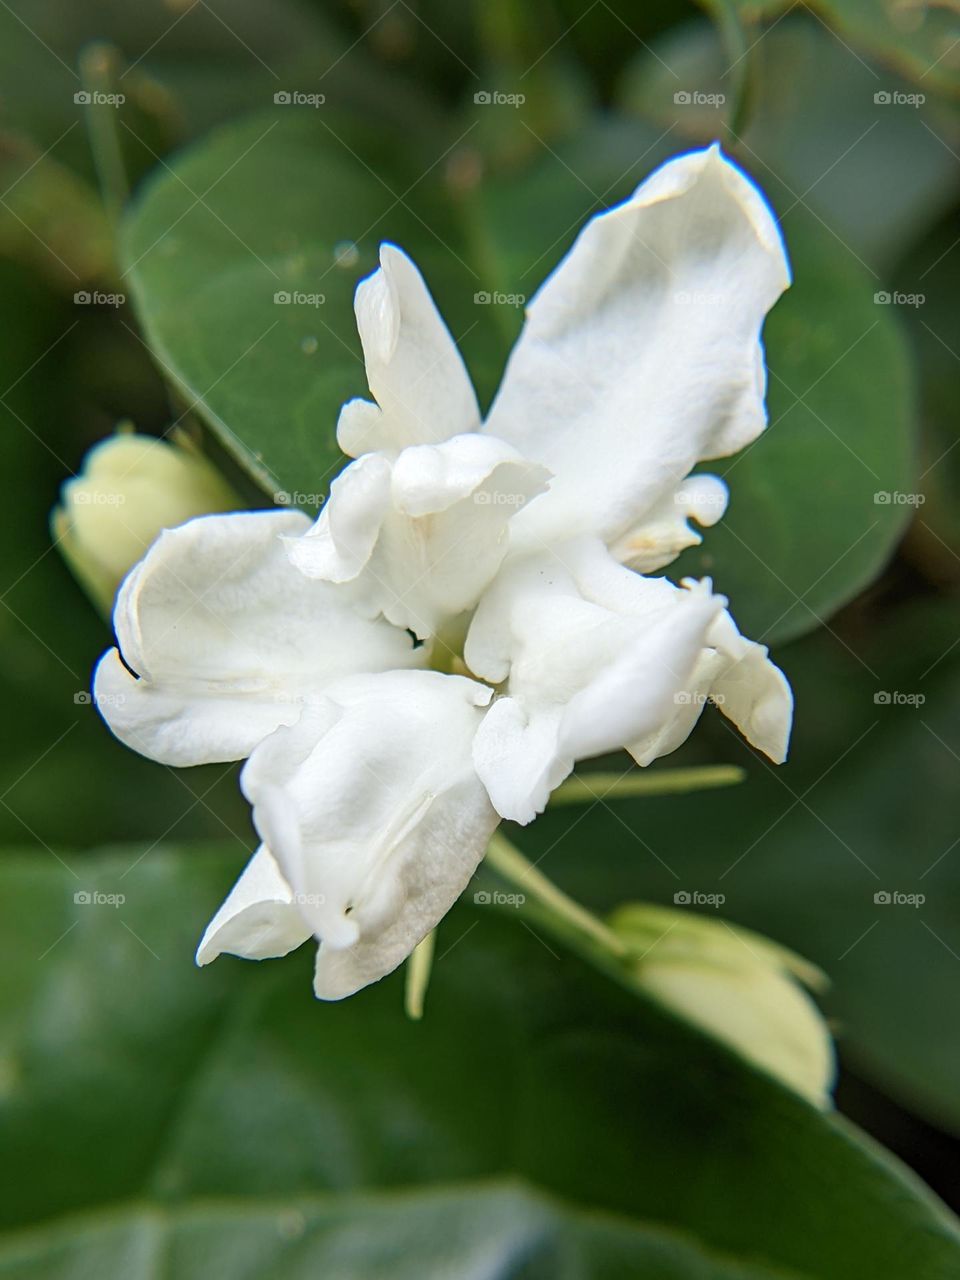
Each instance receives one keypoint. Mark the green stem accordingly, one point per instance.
(419, 966)
(97, 66)
(507, 859)
(584, 788)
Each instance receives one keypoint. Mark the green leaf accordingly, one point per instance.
(248, 301)
(539, 1117)
(811, 131)
(410, 1235)
(803, 534)
(813, 515)
(920, 41)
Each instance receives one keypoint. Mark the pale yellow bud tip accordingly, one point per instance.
(739, 987)
(130, 487)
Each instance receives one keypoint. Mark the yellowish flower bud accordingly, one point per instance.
(130, 487)
(738, 986)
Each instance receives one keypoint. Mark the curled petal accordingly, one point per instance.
(420, 537)
(376, 817)
(259, 919)
(221, 640)
(414, 370)
(666, 530)
(641, 354)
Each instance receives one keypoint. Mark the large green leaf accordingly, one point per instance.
(149, 1106)
(495, 1228)
(804, 532)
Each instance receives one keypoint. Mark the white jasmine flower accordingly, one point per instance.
(376, 787)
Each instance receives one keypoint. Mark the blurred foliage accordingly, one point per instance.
(223, 1120)
(241, 1133)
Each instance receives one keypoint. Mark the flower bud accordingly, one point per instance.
(737, 986)
(130, 487)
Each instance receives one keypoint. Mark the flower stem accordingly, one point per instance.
(507, 859)
(584, 788)
(419, 967)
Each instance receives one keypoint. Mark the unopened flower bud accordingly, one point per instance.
(738, 986)
(130, 487)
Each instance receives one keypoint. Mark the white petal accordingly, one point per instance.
(223, 640)
(339, 545)
(414, 370)
(258, 920)
(737, 675)
(640, 355)
(666, 530)
(751, 691)
(422, 538)
(585, 675)
(373, 810)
